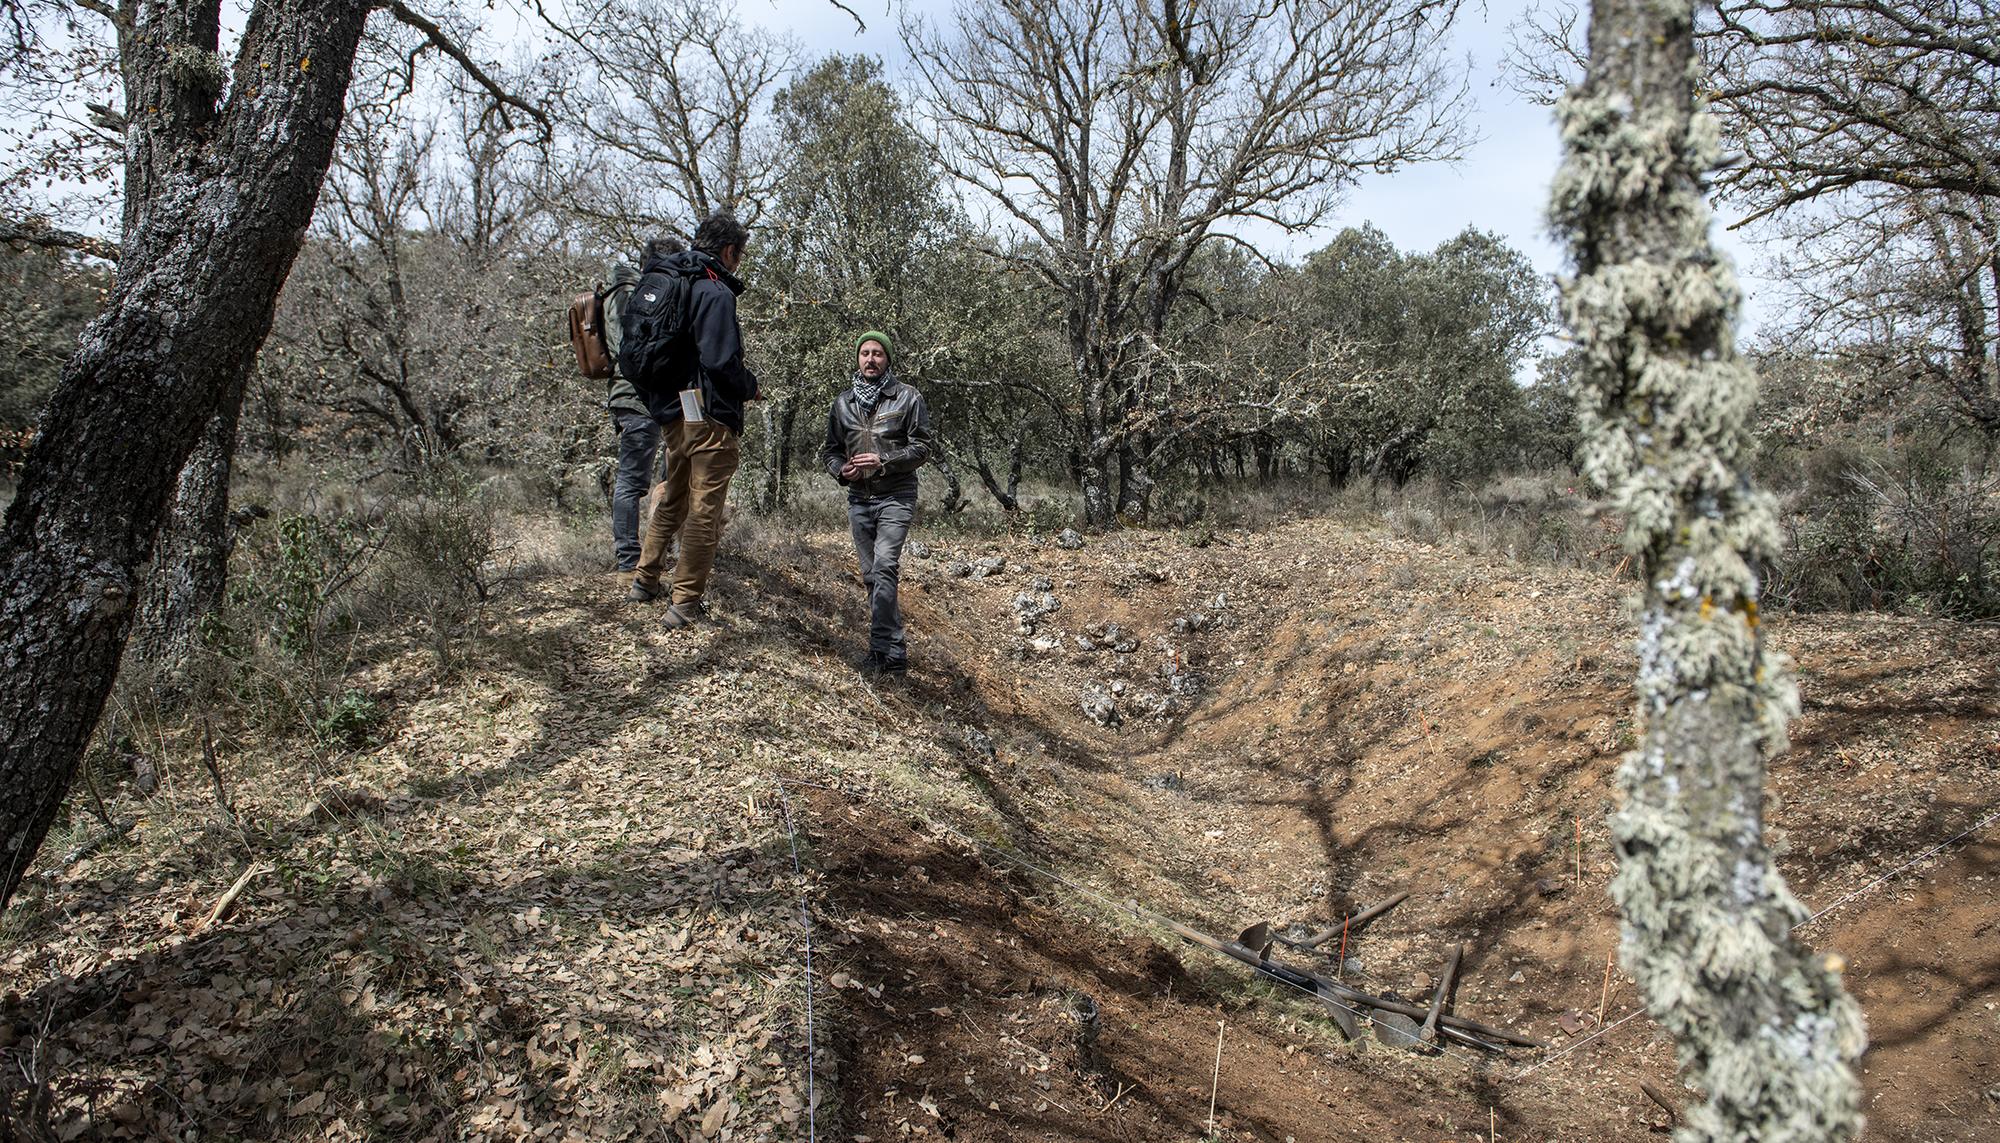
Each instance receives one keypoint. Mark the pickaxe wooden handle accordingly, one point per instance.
(1429, 1032)
(1353, 924)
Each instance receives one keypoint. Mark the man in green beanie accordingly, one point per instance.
(878, 434)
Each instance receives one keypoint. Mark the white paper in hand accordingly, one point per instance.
(691, 405)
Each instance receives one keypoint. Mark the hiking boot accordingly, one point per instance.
(681, 615)
(640, 593)
(869, 664)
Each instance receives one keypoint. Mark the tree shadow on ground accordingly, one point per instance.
(221, 1032)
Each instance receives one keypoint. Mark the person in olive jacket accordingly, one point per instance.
(638, 432)
(878, 434)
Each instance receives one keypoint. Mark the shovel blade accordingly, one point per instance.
(1257, 936)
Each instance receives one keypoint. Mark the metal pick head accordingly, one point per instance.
(1258, 937)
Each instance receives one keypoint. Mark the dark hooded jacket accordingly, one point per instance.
(898, 430)
(712, 359)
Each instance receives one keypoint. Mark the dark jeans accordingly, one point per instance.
(879, 526)
(638, 444)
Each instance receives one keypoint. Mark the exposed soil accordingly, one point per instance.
(975, 1007)
(555, 898)
(1373, 716)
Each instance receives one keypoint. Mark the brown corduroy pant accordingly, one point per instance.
(701, 457)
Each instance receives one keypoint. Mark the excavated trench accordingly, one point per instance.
(1370, 718)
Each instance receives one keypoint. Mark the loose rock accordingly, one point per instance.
(982, 745)
(1031, 607)
(1396, 1030)
(1101, 709)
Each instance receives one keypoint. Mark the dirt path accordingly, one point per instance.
(548, 903)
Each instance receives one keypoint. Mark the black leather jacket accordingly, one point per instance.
(899, 432)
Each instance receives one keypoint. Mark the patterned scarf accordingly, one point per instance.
(867, 392)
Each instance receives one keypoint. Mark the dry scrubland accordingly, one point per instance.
(549, 892)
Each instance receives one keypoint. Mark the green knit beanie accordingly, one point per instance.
(888, 350)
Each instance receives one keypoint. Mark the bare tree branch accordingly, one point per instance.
(437, 38)
(34, 232)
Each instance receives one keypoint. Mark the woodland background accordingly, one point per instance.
(1090, 315)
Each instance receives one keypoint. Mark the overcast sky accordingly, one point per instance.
(1501, 185)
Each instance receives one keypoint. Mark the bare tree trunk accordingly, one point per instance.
(953, 499)
(1094, 428)
(774, 480)
(218, 201)
(1009, 497)
(1267, 456)
(1392, 461)
(787, 421)
(780, 417)
(191, 559)
(1764, 1026)
(1135, 481)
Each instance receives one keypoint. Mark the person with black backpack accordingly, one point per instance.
(682, 349)
(638, 432)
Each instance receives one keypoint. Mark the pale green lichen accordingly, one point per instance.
(194, 68)
(1665, 405)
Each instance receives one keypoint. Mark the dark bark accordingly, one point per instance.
(788, 419)
(1094, 428)
(1397, 460)
(191, 559)
(1135, 481)
(1008, 497)
(37, 232)
(1266, 452)
(953, 499)
(218, 201)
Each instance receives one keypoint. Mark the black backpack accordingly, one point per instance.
(653, 328)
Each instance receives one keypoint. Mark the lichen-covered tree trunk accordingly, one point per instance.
(191, 559)
(221, 187)
(1764, 1026)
